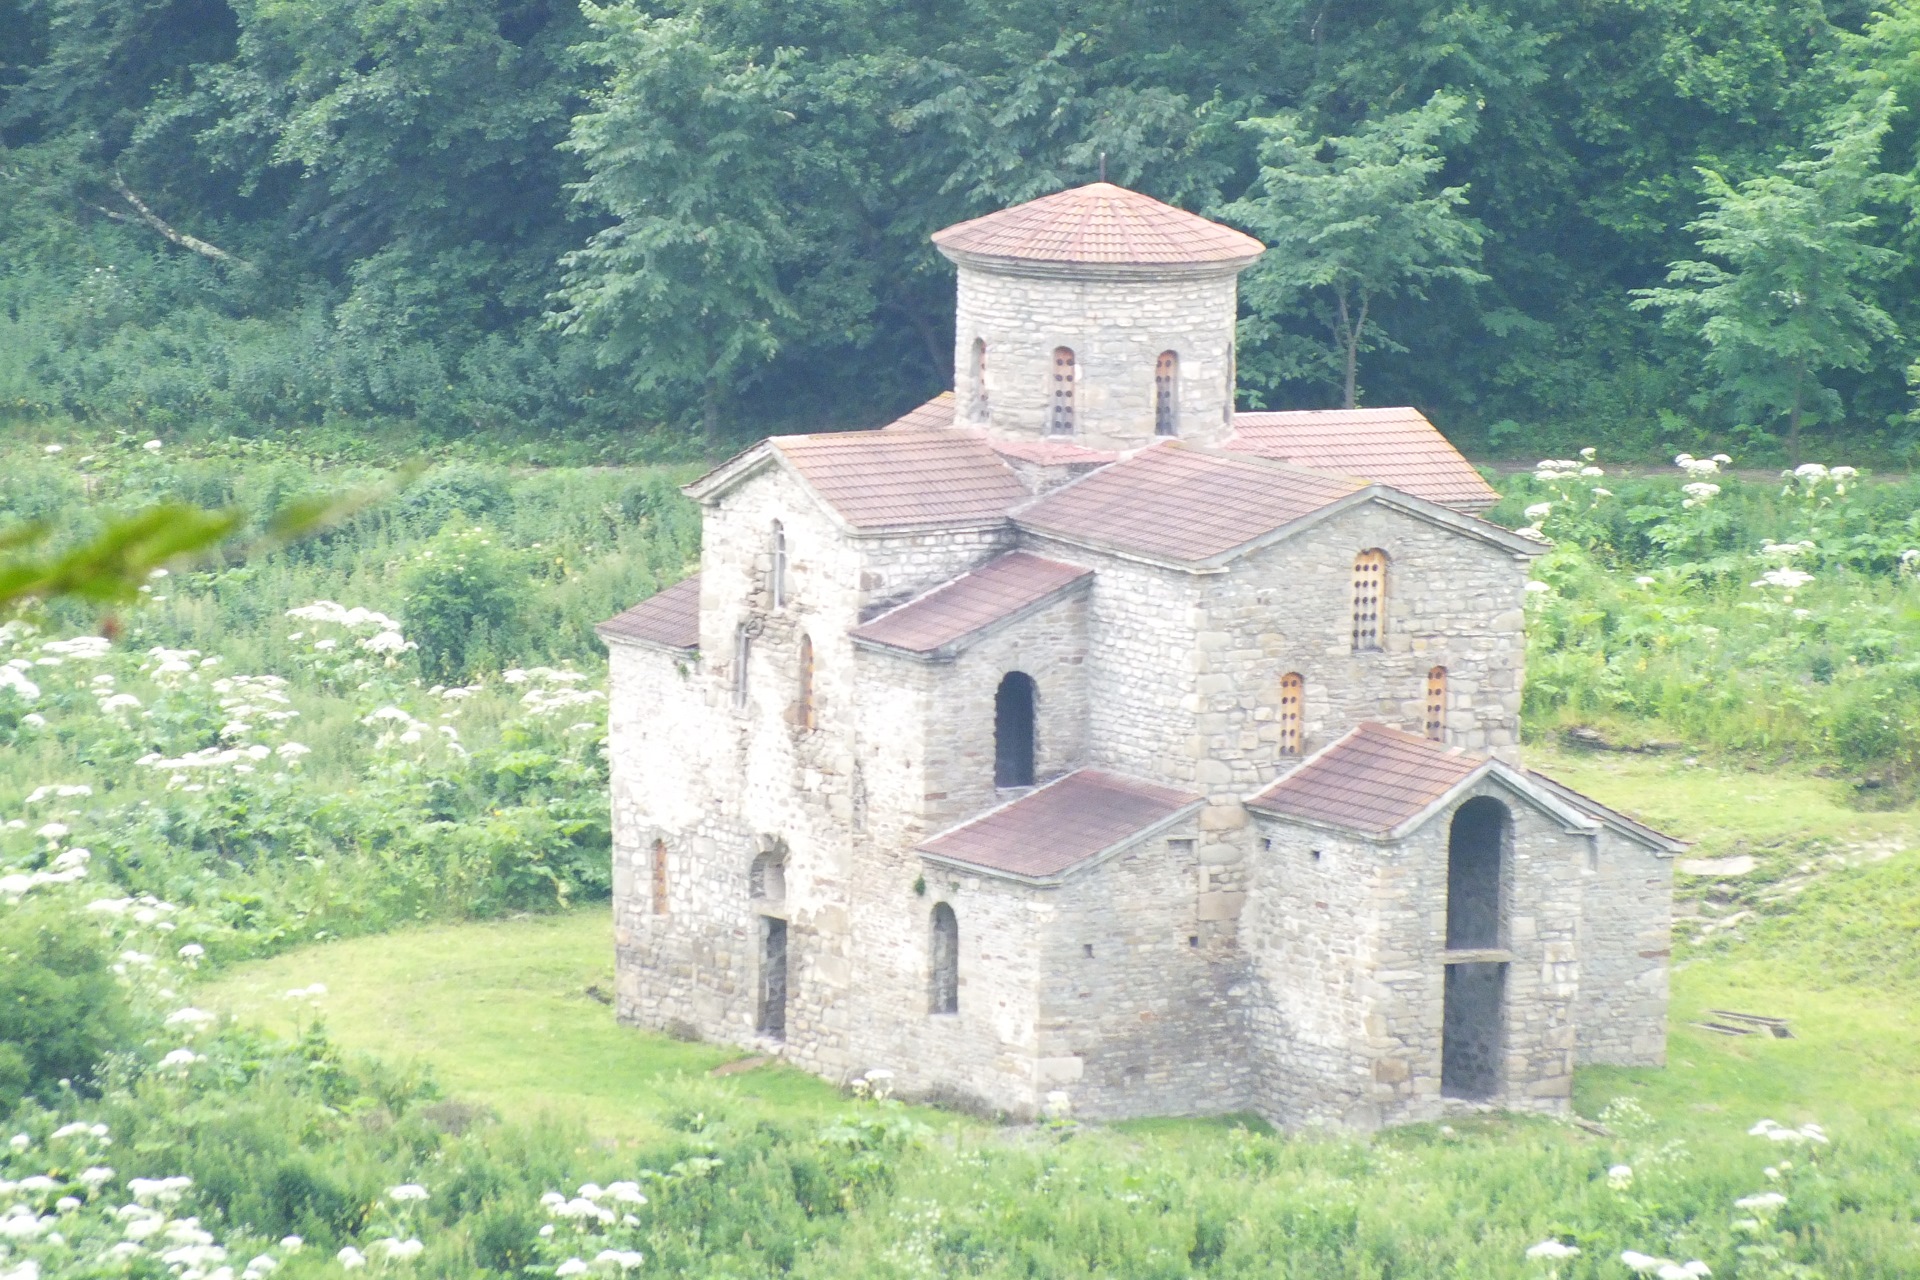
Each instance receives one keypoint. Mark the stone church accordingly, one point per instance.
(1077, 737)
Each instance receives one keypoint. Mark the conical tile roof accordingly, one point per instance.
(1099, 223)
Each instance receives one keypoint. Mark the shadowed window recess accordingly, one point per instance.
(943, 995)
(777, 577)
(1013, 711)
(804, 715)
(742, 652)
(771, 1016)
(978, 408)
(659, 877)
(1369, 599)
(1437, 704)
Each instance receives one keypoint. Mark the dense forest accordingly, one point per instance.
(245, 216)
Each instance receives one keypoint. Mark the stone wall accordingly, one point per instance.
(1626, 947)
(1116, 322)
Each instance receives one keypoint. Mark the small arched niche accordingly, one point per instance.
(1013, 731)
(767, 878)
(943, 987)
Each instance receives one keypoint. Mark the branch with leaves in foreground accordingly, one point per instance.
(111, 568)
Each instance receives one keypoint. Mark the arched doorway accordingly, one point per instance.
(1474, 1020)
(1013, 731)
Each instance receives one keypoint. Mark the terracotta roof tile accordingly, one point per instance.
(901, 478)
(1050, 453)
(1372, 780)
(1000, 589)
(937, 412)
(669, 618)
(1395, 447)
(1179, 503)
(1063, 823)
(1099, 223)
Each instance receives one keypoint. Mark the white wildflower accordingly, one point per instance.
(1763, 1200)
(625, 1259)
(571, 1267)
(190, 1017)
(1553, 1250)
(192, 951)
(407, 1192)
(151, 446)
(351, 1258)
(1788, 578)
(399, 1250)
(1620, 1177)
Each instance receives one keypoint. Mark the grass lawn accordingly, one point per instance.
(502, 1014)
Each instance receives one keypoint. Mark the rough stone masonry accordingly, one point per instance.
(1061, 746)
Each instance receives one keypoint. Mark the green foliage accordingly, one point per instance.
(466, 600)
(61, 1008)
(1792, 301)
(1351, 223)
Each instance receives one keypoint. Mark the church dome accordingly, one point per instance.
(1099, 224)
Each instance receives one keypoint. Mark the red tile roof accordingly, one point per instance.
(1372, 780)
(1063, 823)
(1394, 447)
(999, 590)
(670, 618)
(905, 478)
(1099, 223)
(1179, 503)
(1050, 453)
(937, 412)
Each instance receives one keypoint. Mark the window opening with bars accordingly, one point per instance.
(1437, 704)
(1060, 409)
(778, 578)
(1369, 598)
(979, 409)
(742, 651)
(1166, 376)
(1293, 688)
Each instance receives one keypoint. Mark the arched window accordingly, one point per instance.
(1013, 731)
(1166, 378)
(803, 706)
(1437, 704)
(1476, 874)
(777, 578)
(943, 987)
(1293, 690)
(742, 651)
(1369, 599)
(659, 877)
(1060, 409)
(767, 878)
(978, 409)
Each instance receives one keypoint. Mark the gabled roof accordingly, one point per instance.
(1050, 453)
(1194, 508)
(1384, 783)
(1099, 223)
(1373, 780)
(1396, 447)
(1061, 825)
(941, 623)
(667, 619)
(937, 412)
(891, 479)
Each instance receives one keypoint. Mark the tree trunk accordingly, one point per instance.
(146, 216)
(1353, 328)
(1793, 423)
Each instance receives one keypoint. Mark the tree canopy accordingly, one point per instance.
(245, 215)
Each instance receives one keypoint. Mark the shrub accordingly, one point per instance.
(61, 1010)
(466, 600)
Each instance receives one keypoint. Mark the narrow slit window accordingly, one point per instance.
(1437, 704)
(778, 577)
(1369, 599)
(1060, 410)
(1293, 688)
(943, 995)
(804, 715)
(659, 877)
(742, 651)
(1166, 388)
(979, 411)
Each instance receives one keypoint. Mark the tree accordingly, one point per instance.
(1791, 300)
(1350, 222)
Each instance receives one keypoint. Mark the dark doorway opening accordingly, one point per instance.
(772, 1018)
(1476, 874)
(1471, 1031)
(1013, 731)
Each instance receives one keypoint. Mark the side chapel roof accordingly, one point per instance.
(1396, 447)
(894, 478)
(667, 619)
(1055, 827)
(1099, 223)
(937, 624)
